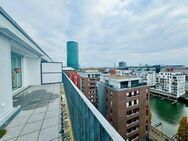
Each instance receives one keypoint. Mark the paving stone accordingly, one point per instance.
(36, 117)
(50, 122)
(40, 110)
(18, 121)
(24, 113)
(28, 137)
(51, 114)
(32, 127)
(48, 134)
(12, 132)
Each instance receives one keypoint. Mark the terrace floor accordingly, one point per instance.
(39, 118)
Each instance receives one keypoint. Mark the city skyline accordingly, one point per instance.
(139, 32)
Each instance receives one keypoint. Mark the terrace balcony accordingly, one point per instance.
(57, 112)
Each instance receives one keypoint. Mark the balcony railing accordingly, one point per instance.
(88, 124)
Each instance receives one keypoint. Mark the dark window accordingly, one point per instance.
(135, 102)
(124, 84)
(134, 83)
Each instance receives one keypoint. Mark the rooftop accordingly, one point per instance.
(39, 118)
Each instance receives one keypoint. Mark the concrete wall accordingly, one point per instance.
(5, 77)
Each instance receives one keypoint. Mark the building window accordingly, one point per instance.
(16, 70)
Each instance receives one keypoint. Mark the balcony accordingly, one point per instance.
(88, 124)
(128, 117)
(133, 131)
(132, 124)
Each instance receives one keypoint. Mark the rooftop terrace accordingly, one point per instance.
(39, 118)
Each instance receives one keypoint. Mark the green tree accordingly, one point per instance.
(182, 134)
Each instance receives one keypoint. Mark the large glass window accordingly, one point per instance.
(16, 69)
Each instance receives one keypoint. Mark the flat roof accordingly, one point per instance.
(121, 78)
(8, 17)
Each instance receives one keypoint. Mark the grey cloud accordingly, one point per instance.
(110, 31)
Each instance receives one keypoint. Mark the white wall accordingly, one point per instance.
(5, 77)
(31, 71)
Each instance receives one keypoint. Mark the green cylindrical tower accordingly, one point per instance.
(72, 54)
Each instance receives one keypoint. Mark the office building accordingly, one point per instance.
(72, 55)
(171, 84)
(122, 65)
(127, 105)
(88, 81)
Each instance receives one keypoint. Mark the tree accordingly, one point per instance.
(182, 134)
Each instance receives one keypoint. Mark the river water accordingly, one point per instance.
(167, 113)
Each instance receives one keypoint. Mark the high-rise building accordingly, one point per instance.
(122, 65)
(88, 85)
(72, 55)
(127, 105)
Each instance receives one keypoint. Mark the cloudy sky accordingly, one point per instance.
(108, 31)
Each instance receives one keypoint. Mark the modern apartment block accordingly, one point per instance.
(127, 105)
(88, 81)
(149, 77)
(171, 84)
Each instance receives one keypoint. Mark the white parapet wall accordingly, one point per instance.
(6, 104)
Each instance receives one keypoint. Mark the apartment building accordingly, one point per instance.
(149, 77)
(171, 84)
(88, 81)
(127, 105)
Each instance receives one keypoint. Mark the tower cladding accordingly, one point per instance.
(72, 55)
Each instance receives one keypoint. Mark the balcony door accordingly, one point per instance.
(16, 70)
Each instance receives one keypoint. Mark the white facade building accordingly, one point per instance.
(20, 63)
(171, 83)
(123, 81)
(148, 77)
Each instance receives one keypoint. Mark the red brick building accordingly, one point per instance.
(74, 76)
(127, 107)
(88, 85)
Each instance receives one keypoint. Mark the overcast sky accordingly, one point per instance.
(108, 31)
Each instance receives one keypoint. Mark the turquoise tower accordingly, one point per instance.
(72, 55)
